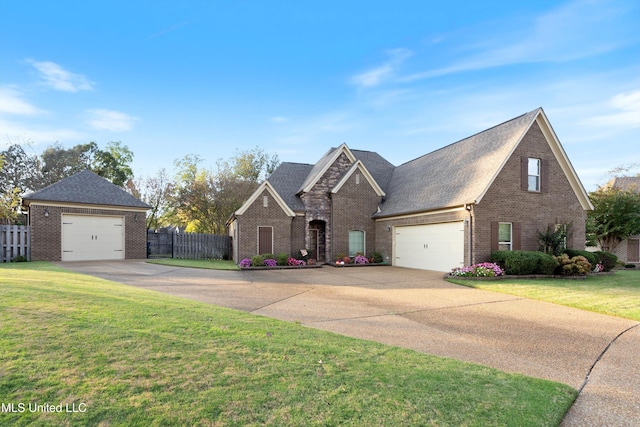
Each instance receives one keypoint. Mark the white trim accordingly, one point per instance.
(564, 161)
(560, 155)
(336, 153)
(366, 174)
(265, 186)
(88, 206)
(423, 213)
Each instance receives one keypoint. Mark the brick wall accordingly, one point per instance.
(352, 208)
(507, 202)
(46, 231)
(257, 215)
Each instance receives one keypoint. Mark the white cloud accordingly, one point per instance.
(575, 30)
(11, 131)
(12, 102)
(378, 75)
(58, 78)
(626, 112)
(110, 120)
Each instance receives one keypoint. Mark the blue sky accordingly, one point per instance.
(403, 78)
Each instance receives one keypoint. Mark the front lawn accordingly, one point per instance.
(615, 295)
(213, 264)
(121, 355)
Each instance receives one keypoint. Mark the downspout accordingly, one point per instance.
(469, 209)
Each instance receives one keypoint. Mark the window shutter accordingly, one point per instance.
(495, 225)
(516, 240)
(524, 173)
(544, 176)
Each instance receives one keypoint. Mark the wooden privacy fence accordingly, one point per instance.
(201, 246)
(14, 242)
(166, 243)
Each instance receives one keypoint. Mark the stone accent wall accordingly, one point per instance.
(257, 215)
(353, 207)
(318, 203)
(46, 231)
(507, 202)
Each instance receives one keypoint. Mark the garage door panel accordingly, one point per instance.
(89, 237)
(438, 247)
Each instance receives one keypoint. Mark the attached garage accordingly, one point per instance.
(438, 247)
(88, 237)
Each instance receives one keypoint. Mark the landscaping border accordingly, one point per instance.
(530, 276)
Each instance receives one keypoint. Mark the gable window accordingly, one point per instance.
(534, 175)
(265, 201)
(505, 240)
(356, 242)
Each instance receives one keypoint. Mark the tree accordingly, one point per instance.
(251, 165)
(615, 217)
(204, 200)
(156, 191)
(113, 163)
(19, 170)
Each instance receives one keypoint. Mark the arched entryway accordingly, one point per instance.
(316, 240)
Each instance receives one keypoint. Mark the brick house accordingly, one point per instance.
(628, 250)
(85, 217)
(449, 208)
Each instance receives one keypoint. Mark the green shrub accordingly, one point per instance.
(577, 265)
(590, 256)
(515, 262)
(607, 259)
(546, 264)
(376, 257)
(629, 266)
(524, 262)
(282, 258)
(19, 258)
(257, 260)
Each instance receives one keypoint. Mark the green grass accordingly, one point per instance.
(213, 264)
(137, 357)
(615, 295)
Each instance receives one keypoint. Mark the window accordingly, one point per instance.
(505, 242)
(534, 175)
(356, 242)
(265, 201)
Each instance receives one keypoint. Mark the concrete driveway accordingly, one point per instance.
(597, 354)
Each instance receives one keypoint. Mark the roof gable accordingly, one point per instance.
(85, 187)
(456, 174)
(358, 165)
(323, 165)
(265, 186)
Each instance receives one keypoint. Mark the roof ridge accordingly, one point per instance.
(470, 136)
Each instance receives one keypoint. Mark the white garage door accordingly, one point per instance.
(87, 237)
(438, 247)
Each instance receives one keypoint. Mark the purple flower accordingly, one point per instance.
(245, 263)
(360, 260)
(270, 262)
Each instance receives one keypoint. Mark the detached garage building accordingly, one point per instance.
(85, 217)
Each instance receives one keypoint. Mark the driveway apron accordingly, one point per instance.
(596, 354)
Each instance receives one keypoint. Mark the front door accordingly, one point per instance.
(316, 241)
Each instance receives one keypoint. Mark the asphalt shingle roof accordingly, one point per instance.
(286, 181)
(456, 174)
(87, 188)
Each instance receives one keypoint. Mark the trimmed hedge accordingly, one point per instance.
(521, 263)
(607, 259)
